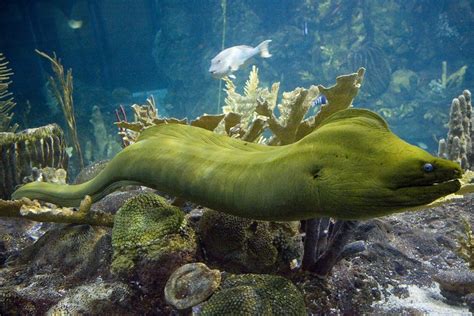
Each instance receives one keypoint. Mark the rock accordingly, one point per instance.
(191, 284)
(77, 252)
(114, 201)
(94, 299)
(90, 171)
(255, 294)
(455, 284)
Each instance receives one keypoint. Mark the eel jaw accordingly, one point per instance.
(427, 193)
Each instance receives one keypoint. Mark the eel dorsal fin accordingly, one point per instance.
(362, 116)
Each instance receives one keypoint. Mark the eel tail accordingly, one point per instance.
(107, 181)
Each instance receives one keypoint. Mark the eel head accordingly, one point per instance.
(367, 171)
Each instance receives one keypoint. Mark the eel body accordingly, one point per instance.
(351, 167)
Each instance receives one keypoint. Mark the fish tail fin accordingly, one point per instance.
(263, 49)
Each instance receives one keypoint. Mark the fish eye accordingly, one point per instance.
(427, 167)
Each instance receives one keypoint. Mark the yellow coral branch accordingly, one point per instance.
(32, 210)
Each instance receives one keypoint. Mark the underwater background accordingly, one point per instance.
(418, 55)
(106, 70)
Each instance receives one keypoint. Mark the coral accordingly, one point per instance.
(93, 299)
(105, 145)
(373, 58)
(253, 294)
(291, 126)
(6, 99)
(191, 284)
(458, 144)
(61, 86)
(247, 116)
(47, 174)
(466, 244)
(245, 245)
(146, 226)
(32, 210)
(150, 239)
(80, 252)
(39, 147)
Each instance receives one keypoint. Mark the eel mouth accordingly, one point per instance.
(423, 193)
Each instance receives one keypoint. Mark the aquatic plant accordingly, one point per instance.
(6, 99)
(466, 244)
(62, 88)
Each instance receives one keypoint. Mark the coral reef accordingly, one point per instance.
(62, 88)
(247, 116)
(6, 99)
(191, 284)
(458, 144)
(21, 152)
(244, 245)
(255, 294)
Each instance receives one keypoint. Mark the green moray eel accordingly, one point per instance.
(351, 167)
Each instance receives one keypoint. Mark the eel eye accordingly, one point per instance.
(427, 167)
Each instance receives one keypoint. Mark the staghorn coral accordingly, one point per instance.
(32, 148)
(458, 144)
(61, 86)
(244, 245)
(6, 99)
(255, 294)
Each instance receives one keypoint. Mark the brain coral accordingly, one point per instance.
(255, 294)
(244, 245)
(150, 239)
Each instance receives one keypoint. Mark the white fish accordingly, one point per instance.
(74, 24)
(230, 59)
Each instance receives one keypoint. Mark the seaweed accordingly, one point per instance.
(6, 99)
(62, 88)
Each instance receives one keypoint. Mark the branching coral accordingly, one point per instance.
(6, 99)
(32, 210)
(62, 88)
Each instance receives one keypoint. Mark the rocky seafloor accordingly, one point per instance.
(403, 264)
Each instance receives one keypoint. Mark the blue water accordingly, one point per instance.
(120, 52)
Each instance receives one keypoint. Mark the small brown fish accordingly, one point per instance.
(230, 59)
